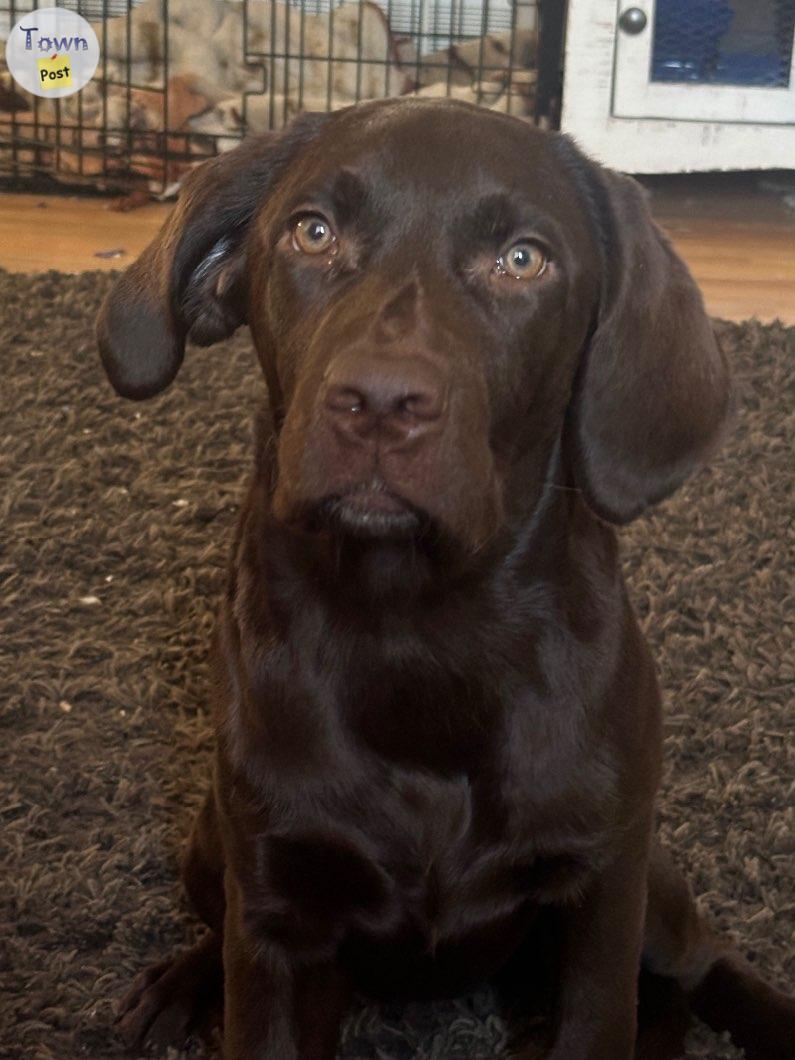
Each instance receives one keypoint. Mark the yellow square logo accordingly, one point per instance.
(55, 72)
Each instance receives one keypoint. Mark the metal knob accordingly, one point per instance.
(633, 20)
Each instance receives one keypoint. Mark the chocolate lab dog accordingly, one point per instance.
(438, 725)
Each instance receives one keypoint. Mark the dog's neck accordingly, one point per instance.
(360, 579)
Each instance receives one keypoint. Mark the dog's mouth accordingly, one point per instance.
(370, 510)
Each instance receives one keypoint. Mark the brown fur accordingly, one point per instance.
(438, 723)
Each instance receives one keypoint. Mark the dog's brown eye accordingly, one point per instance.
(523, 261)
(313, 235)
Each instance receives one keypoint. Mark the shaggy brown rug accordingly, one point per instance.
(115, 524)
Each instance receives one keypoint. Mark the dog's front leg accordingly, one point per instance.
(603, 934)
(276, 1007)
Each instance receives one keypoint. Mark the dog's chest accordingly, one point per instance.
(428, 867)
(438, 723)
(461, 851)
(487, 807)
(439, 812)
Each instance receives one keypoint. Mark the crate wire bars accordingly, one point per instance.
(181, 80)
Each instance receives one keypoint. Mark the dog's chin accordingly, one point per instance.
(369, 513)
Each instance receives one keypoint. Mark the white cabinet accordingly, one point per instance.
(673, 85)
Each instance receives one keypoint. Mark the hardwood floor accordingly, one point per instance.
(41, 232)
(736, 231)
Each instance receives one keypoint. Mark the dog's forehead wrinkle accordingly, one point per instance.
(348, 193)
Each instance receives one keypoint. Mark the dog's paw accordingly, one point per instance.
(172, 1000)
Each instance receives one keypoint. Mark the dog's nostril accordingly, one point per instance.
(398, 399)
(423, 406)
(345, 399)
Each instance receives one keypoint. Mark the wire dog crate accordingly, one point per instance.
(181, 80)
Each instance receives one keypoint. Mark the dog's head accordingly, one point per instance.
(445, 302)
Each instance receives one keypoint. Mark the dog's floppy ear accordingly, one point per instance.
(188, 283)
(653, 392)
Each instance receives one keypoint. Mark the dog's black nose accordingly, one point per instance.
(397, 399)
